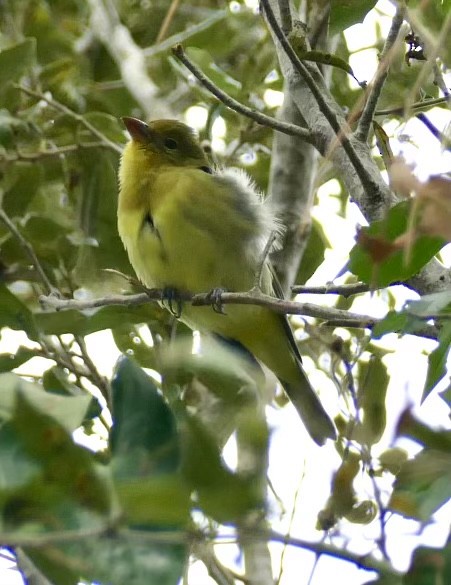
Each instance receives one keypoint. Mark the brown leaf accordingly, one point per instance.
(402, 179)
(377, 247)
(435, 210)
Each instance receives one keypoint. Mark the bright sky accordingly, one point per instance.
(407, 366)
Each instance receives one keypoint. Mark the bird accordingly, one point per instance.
(192, 228)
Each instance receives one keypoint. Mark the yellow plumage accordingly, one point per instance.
(192, 229)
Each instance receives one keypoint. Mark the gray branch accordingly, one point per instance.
(128, 56)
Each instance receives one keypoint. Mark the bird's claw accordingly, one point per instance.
(214, 296)
(172, 297)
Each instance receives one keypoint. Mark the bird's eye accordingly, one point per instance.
(170, 143)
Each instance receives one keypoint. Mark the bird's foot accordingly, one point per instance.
(172, 298)
(214, 296)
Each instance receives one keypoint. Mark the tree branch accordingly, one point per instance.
(167, 20)
(340, 129)
(48, 153)
(375, 89)
(233, 104)
(128, 56)
(28, 248)
(197, 300)
(292, 174)
(323, 115)
(345, 290)
(332, 316)
(177, 38)
(78, 117)
(366, 562)
(433, 46)
(423, 105)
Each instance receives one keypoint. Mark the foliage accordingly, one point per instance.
(156, 488)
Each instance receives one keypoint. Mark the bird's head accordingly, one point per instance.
(166, 142)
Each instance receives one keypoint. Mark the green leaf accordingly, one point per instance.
(314, 253)
(164, 500)
(327, 59)
(114, 560)
(430, 305)
(15, 314)
(345, 13)
(130, 342)
(16, 466)
(56, 567)
(429, 566)
(144, 438)
(223, 80)
(67, 468)
(86, 322)
(145, 445)
(222, 494)
(409, 426)
(373, 382)
(68, 411)
(437, 360)
(22, 182)
(423, 485)
(109, 125)
(387, 264)
(223, 369)
(10, 361)
(16, 60)
(397, 322)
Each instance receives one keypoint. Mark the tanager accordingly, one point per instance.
(188, 227)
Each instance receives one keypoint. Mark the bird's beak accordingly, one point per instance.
(139, 130)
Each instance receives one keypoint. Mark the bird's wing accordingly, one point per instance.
(278, 293)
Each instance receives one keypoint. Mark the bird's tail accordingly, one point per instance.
(311, 411)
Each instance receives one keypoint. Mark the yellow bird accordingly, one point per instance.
(190, 228)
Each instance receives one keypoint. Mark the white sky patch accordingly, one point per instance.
(364, 64)
(196, 117)
(219, 128)
(273, 98)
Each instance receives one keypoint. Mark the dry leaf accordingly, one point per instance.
(377, 247)
(402, 179)
(435, 210)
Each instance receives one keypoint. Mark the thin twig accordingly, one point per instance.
(233, 104)
(363, 561)
(167, 20)
(382, 510)
(197, 300)
(28, 248)
(290, 526)
(423, 105)
(366, 179)
(98, 380)
(345, 290)
(366, 562)
(106, 26)
(439, 80)
(432, 54)
(433, 130)
(332, 316)
(56, 152)
(78, 117)
(184, 35)
(375, 89)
